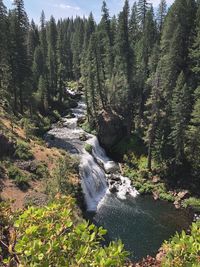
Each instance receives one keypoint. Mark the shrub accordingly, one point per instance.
(23, 151)
(20, 179)
(52, 236)
(167, 196)
(192, 202)
(41, 171)
(88, 148)
(60, 179)
(56, 115)
(183, 249)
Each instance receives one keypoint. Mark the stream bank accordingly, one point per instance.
(110, 200)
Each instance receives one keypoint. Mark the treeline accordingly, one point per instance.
(142, 65)
(146, 68)
(37, 61)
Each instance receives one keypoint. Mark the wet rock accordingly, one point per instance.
(83, 137)
(155, 195)
(115, 178)
(113, 189)
(177, 204)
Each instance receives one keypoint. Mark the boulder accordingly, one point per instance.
(183, 195)
(111, 129)
(155, 196)
(83, 137)
(177, 204)
(113, 189)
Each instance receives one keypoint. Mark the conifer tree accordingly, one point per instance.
(143, 7)
(193, 135)
(180, 117)
(20, 66)
(4, 54)
(162, 12)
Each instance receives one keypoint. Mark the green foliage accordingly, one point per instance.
(21, 179)
(72, 85)
(56, 115)
(183, 249)
(41, 171)
(60, 181)
(52, 236)
(127, 145)
(28, 127)
(23, 150)
(88, 148)
(192, 202)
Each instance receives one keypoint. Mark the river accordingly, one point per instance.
(140, 222)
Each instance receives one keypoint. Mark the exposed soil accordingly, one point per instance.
(18, 197)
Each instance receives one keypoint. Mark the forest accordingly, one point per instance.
(139, 72)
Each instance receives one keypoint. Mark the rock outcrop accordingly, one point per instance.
(111, 129)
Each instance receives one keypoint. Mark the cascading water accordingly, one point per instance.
(141, 223)
(100, 175)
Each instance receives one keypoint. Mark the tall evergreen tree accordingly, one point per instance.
(143, 7)
(181, 110)
(20, 66)
(162, 12)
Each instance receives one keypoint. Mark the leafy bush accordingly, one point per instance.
(41, 171)
(52, 236)
(18, 176)
(183, 249)
(23, 151)
(167, 196)
(28, 127)
(192, 202)
(87, 128)
(88, 148)
(56, 115)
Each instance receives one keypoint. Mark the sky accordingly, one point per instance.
(69, 8)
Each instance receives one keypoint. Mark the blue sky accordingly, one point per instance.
(68, 8)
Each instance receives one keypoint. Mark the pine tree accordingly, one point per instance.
(20, 66)
(33, 40)
(143, 7)
(42, 90)
(134, 25)
(162, 12)
(4, 55)
(193, 135)
(180, 117)
(51, 58)
(195, 51)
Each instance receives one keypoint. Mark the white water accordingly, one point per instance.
(99, 174)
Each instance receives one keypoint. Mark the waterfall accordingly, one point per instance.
(99, 174)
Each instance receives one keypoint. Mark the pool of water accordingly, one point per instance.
(141, 223)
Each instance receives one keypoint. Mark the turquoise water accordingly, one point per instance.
(141, 223)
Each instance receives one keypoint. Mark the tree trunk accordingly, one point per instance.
(149, 157)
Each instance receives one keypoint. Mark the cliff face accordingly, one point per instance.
(111, 129)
